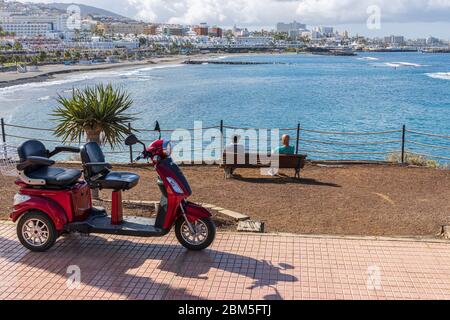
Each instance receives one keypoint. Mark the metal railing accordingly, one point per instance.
(319, 144)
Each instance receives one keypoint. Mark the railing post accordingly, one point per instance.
(298, 138)
(3, 131)
(403, 143)
(5, 155)
(131, 147)
(221, 139)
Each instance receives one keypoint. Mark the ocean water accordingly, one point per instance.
(369, 93)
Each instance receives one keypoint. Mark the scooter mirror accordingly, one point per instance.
(158, 129)
(131, 140)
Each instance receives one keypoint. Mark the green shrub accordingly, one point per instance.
(413, 159)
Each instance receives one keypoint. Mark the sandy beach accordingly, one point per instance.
(47, 72)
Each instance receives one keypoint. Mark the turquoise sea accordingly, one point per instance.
(368, 93)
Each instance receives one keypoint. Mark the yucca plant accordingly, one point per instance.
(99, 113)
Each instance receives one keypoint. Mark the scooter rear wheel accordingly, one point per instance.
(202, 239)
(36, 231)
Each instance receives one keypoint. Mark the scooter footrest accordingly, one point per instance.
(131, 226)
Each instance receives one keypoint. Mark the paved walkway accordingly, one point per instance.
(237, 266)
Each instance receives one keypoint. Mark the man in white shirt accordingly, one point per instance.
(234, 148)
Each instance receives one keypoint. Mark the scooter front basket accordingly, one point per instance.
(8, 160)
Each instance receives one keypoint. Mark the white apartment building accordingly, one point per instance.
(239, 32)
(290, 27)
(92, 45)
(99, 43)
(131, 43)
(27, 29)
(41, 43)
(56, 22)
(313, 35)
(394, 40)
(253, 41)
(326, 30)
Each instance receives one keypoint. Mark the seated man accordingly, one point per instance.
(285, 147)
(230, 150)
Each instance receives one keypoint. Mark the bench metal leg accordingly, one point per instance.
(228, 173)
(297, 173)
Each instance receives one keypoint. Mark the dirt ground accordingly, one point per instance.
(374, 200)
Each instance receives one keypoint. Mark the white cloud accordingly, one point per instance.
(268, 12)
(253, 12)
(354, 11)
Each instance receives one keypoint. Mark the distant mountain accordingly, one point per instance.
(88, 10)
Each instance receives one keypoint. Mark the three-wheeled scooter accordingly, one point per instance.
(52, 201)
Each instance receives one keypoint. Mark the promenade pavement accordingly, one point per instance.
(236, 266)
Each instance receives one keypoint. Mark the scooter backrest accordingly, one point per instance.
(92, 153)
(32, 148)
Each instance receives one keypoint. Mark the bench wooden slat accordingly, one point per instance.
(285, 161)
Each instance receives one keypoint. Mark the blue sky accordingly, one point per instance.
(412, 18)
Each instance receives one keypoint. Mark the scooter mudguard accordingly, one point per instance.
(195, 212)
(47, 206)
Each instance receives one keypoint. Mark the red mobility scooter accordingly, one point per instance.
(52, 201)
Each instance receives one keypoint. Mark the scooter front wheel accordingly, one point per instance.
(36, 231)
(202, 237)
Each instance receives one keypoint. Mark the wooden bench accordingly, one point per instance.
(285, 161)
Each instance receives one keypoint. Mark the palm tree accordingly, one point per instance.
(99, 113)
(42, 56)
(58, 55)
(17, 46)
(67, 55)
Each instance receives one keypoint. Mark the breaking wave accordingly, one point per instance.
(439, 75)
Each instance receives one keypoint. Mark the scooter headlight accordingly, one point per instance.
(20, 198)
(167, 148)
(175, 186)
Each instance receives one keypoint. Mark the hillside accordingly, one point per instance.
(88, 10)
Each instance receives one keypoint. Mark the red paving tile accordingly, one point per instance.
(237, 266)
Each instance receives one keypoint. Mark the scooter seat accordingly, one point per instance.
(56, 176)
(117, 181)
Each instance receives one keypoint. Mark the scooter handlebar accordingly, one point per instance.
(142, 155)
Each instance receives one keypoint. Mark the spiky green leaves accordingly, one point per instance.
(102, 109)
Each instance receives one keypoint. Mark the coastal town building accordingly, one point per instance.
(394, 40)
(253, 41)
(240, 32)
(290, 27)
(431, 41)
(56, 22)
(27, 29)
(173, 30)
(326, 31)
(121, 28)
(215, 32)
(25, 25)
(150, 29)
(41, 43)
(100, 43)
(38, 27)
(202, 29)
